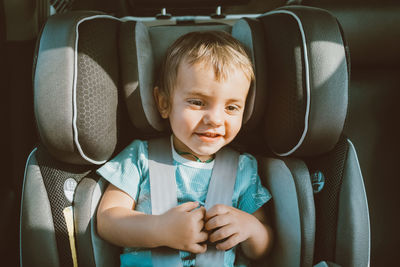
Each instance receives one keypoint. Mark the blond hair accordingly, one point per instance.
(217, 49)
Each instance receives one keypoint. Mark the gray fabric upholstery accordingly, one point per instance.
(302, 180)
(353, 234)
(105, 254)
(307, 102)
(286, 250)
(91, 249)
(293, 211)
(58, 101)
(75, 124)
(251, 34)
(82, 217)
(137, 73)
(36, 229)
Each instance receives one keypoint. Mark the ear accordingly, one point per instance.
(162, 102)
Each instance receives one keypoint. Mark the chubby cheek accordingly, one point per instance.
(233, 128)
(183, 121)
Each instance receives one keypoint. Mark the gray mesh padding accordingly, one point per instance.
(326, 202)
(96, 88)
(54, 174)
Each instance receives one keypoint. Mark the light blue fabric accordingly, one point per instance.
(129, 172)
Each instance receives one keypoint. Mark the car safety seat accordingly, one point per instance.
(372, 29)
(82, 60)
(308, 76)
(92, 69)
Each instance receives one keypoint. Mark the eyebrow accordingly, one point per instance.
(197, 93)
(201, 94)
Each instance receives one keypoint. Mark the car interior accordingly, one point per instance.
(78, 76)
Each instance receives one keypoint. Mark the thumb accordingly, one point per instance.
(188, 206)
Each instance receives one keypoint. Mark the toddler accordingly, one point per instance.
(202, 92)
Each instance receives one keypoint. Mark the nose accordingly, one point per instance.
(214, 116)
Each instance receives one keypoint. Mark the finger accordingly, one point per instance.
(200, 223)
(203, 210)
(217, 221)
(188, 206)
(202, 237)
(198, 248)
(222, 233)
(199, 213)
(229, 243)
(216, 210)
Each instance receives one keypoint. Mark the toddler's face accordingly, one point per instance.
(206, 114)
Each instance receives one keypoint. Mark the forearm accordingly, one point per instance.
(259, 243)
(129, 228)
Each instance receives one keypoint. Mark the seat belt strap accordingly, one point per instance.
(162, 180)
(220, 191)
(163, 194)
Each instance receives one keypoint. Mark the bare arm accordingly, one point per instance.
(260, 242)
(116, 217)
(180, 227)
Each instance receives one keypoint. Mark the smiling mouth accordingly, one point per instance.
(208, 136)
(211, 135)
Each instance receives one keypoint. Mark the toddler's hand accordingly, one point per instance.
(229, 223)
(183, 228)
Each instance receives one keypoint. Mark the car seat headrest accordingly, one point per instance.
(75, 80)
(144, 48)
(307, 81)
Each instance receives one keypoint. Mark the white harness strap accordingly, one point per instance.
(163, 195)
(220, 191)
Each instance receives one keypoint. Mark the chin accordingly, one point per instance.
(207, 151)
